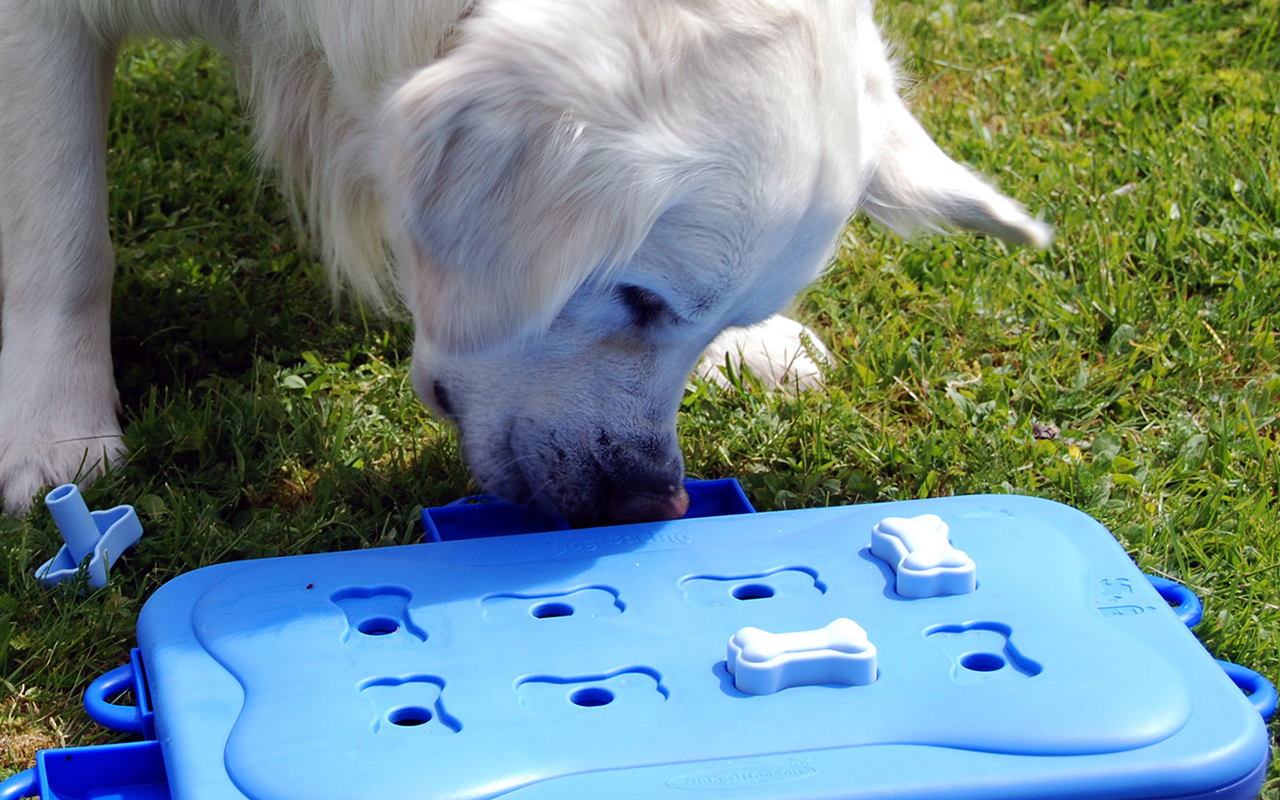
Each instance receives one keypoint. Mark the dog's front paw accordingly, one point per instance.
(34, 457)
(780, 352)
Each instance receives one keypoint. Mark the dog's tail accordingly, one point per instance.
(916, 186)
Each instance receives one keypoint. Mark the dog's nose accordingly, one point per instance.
(647, 504)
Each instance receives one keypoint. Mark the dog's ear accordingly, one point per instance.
(915, 185)
(504, 201)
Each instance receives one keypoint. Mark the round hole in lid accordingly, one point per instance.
(591, 697)
(552, 610)
(378, 626)
(752, 591)
(982, 662)
(409, 716)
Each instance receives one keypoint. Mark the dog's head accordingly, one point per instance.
(583, 195)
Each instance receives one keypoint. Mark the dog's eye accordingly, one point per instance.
(647, 308)
(441, 395)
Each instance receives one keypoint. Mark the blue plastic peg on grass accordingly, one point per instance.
(99, 535)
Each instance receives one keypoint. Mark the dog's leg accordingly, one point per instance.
(780, 352)
(58, 402)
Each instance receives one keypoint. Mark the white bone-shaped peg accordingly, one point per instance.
(764, 663)
(920, 552)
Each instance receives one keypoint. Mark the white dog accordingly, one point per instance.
(572, 197)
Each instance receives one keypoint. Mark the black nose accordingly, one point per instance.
(646, 503)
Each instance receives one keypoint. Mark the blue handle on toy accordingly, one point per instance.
(126, 719)
(23, 784)
(1260, 691)
(1185, 604)
(1189, 609)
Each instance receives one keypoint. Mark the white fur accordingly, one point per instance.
(572, 197)
(779, 352)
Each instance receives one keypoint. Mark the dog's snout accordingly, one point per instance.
(628, 504)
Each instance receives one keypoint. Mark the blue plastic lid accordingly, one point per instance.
(592, 663)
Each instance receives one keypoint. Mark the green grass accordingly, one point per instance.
(263, 421)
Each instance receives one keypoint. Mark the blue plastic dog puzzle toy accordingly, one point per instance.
(100, 535)
(483, 516)
(992, 647)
